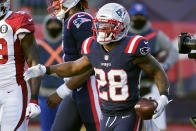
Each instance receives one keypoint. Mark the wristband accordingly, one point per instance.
(48, 70)
(34, 101)
(63, 91)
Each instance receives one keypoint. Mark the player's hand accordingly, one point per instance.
(33, 109)
(53, 100)
(162, 102)
(34, 71)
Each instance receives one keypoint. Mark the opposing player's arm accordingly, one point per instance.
(152, 67)
(72, 68)
(31, 55)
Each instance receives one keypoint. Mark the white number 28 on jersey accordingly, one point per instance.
(113, 85)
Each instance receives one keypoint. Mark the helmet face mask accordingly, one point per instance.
(58, 8)
(4, 7)
(106, 30)
(111, 23)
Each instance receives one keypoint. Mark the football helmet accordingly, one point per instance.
(55, 7)
(111, 23)
(4, 7)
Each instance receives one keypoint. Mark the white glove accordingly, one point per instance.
(34, 71)
(162, 102)
(32, 109)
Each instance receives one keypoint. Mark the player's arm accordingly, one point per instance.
(151, 66)
(31, 55)
(66, 69)
(54, 99)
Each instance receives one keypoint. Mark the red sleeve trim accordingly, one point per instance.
(133, 43)
(34, 101)
(86, 45)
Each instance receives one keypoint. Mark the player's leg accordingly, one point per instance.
(1, 111)
(14, 108)
(129, 122)
(47, 114)
(105, 123)
(88, 105)
(67, 117)
(149, 125)
(160, 121)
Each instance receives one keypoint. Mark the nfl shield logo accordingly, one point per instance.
(106, 57)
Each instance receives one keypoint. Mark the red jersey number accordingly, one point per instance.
(3, 51)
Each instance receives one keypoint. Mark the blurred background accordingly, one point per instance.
(170, 16)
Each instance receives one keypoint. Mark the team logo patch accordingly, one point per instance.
(4, 29)
(106, 57)
(121, 12)
(79, 21)
(144, 50)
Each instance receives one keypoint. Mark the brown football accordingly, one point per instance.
(145, 108)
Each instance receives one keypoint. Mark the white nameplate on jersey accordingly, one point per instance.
(3, 29)
(106, 57)
(79, 21)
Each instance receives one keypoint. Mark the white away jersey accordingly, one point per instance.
(11, 54)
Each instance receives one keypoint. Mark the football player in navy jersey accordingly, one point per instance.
(77, 28)
(117, 60)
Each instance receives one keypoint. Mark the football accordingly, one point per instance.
(145, 108)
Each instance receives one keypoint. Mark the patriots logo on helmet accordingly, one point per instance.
(79, 21)
(121, 12)
(144, 50)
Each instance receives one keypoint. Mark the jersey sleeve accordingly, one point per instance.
(80, 27)
(27, 24)
(137, 46)
(86, 46)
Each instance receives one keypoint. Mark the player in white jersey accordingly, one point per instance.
(17, 45)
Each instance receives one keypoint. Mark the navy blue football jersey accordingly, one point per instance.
(116, 75)
(76, 29)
